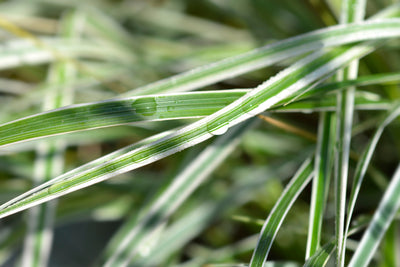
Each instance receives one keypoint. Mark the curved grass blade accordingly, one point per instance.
(173, 196)
(116, 112)
(365, 160)
(321, 256)
(218, 71)
(284, 85)
(381, 220)
(271, 54)
(278, 213)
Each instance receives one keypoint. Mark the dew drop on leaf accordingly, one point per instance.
(145, 106)
(216, 128)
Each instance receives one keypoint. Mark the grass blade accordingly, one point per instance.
(320, 182)
(365, 160)
(116, 112)
(352, 11)
(363, 101)
(383, 78)
(278, 213)
(381, 220)
(321, 256)
(271, 54)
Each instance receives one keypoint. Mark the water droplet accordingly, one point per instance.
(249, 106)
(220, 131)
(145, 106)
(217, 128)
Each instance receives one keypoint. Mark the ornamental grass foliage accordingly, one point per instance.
(199, 133)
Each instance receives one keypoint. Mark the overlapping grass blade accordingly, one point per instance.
(173, 196)
(321, 256)
(284, 85)
(381, 220)
(278, 213)
(351, 11)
